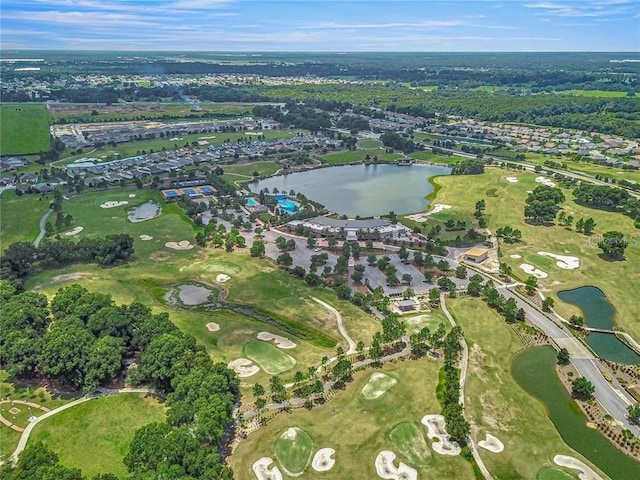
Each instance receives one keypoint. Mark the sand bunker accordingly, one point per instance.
(491, 443)
(385, 468)
(111, 204)
(281, 342)
(75, 231)
(243, 367)
(323, 460)
(586, 473)
(436, 428)
(262, 470)
(421, 217)
(145, 238)
(222, 278)
(251, 133)
(512, 180)
(545, 181)
(132, 195)
(377, 385)
(69, 276)
(531, 270)
(213, 327)
(182, 245)
(515, 256)
(565, 262)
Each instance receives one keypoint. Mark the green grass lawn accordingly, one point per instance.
(506, 208)
(369, 143)
(360, 156)
(293, 449)
(24, 128)
(495, 402)
(95, 436)
(428, 156)
(594, 93)
(377, 386)
(20, 217)
(269, 357)
(265, 168)
(409, 440)
(359, 429)
(553, 474)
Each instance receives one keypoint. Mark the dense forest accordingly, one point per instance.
(82, 340)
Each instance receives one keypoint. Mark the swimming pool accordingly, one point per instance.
(251, 202)
(288, 205)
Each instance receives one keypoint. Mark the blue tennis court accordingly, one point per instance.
(206, 190)
(170, 194)
(190, 191)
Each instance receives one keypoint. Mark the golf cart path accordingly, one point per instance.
(22, 443)
(43, 223)
(343, 331)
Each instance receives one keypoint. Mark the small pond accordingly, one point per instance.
(599, 313)
(534, 370)
(193, 294)
(143, 212)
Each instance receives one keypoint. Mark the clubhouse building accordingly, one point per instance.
(350, 230)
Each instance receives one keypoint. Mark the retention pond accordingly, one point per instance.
(534, 370)
(599, 313)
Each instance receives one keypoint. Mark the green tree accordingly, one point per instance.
(613, 244)
(284, 259)
(530, 285)
(547, 304)
(564, 357)
(258, 390)
(633, 412)
(582, 388)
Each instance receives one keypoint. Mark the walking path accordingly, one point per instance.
(463, 375)
(343, 331)
(22, 443)
(43, 224)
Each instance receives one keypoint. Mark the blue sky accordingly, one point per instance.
(322, 25)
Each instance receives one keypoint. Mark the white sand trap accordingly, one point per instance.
(377, 385)
(421, 217)
(436, 428)
(213, 327)
(586, 473)
(75, 231)
(531, 270)
(132, 195)
(262, 470)
(323, 460)
(182, 245)
(175, 138)
(243, 367)
(145, 238)
(281, 342)
(251, 133)
(512, 180)
(207, 138)
(222, 278)
(202, 142)
(386, 469)
(113, 204)
(545, 181)
(491, 443)
(515, 255)
(565, 262)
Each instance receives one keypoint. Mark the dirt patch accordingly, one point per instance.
(159, 256)
(70, 276)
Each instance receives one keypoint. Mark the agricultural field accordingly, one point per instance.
(505, 205)
(24, 128)
(358, 425)
(94, 436)
(21, 217)
(594, 93)
(360, 156)
(496, 404)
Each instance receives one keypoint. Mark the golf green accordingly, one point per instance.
(293, 450)
(270, 358)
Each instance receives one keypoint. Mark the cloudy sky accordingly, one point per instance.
(322, 25)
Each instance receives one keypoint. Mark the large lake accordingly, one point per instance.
(365, 190)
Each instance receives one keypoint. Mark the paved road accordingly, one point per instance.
(464, 363)
(22, 443)
(43, 223)
(341, 328)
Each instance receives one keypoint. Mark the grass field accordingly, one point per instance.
(95, 436)
(20, 217)
(410, 443)
(553, 474)
(236, 172)
(10, 391)
(293, 450)
(495, 402)
(360, 156)
(427, 155)
(359, 429)
(369, 143)
(594, 93)
(24, 128)
(506, 208)
(270, 358)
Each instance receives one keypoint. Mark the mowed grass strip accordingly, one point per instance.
(409, 442)
(95, 436)
(377, 385)
(548, 473)
(269, 357)
(360, 156)
(24, 128)
(293, 449)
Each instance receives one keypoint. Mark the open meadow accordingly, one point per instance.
(24, 128)
(21, 217)
(505, 205)
(358, 426)
(496, 404)
(95, 436)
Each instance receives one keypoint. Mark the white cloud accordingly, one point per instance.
(364, 26)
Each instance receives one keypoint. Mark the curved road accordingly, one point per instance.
(22, 443)
(343, 331)
(43, 223)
